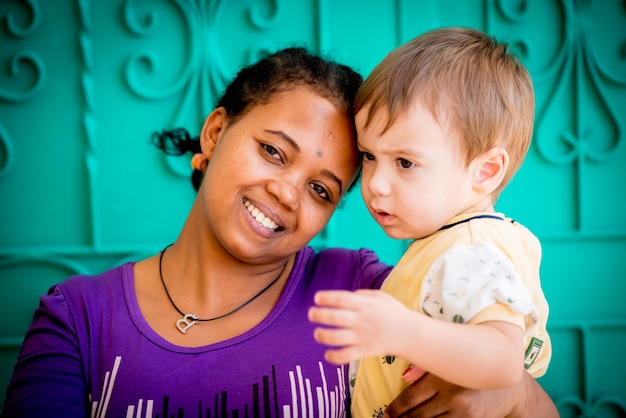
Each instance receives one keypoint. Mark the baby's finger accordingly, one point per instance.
(336, 337)
(340, 356)
(412, 373)
(331, 317)
(337, 299)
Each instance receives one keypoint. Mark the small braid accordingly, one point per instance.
(179, 141)
(176, 141)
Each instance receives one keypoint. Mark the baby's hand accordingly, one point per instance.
(363, 323)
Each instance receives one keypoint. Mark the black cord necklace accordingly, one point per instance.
(189, 320)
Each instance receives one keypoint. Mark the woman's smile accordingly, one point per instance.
(261, 218)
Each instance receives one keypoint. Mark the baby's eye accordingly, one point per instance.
(320, 191)
(367, 156)
(406, 164)
(271, 151)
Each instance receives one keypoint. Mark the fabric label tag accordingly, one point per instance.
(532, 351)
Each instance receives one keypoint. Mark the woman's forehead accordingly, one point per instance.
(304, 117)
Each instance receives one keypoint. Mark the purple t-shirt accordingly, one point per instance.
(90, 353)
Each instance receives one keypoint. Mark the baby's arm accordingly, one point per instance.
(372, 323)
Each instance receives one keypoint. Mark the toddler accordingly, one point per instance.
(444, 122)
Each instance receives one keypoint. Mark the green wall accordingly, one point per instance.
(84, 83)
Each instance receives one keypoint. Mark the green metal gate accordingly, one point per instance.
(84, 83)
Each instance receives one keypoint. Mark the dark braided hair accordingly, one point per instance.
(256, 84)
(179, 141)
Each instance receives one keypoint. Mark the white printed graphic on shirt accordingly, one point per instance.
(306, 401)
(466, 279)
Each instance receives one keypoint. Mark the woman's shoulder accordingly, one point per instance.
(95, 286)
(361, 266)
(72, 304)
(340, 255)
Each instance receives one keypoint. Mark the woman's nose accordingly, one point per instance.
(285, 190)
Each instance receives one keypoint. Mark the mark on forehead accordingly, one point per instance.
(319, 153)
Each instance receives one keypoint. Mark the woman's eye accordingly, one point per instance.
(406, 164)
(320, 191)
(271, 151)
(367, 156)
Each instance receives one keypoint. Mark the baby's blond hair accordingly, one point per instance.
(468, 80)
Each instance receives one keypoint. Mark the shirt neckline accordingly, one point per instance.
(132, 304)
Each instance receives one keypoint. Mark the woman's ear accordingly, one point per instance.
(489, 169)
(214, 126)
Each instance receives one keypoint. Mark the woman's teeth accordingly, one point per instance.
(260, 217)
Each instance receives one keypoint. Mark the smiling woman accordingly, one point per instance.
(281, 152)
(269, 159)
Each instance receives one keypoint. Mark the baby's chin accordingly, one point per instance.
(396, 233)
(401, 233)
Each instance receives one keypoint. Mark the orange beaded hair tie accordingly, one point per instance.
(199, 162)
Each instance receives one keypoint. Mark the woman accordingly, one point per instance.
(217, 323)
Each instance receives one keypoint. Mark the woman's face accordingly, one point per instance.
(276, 175)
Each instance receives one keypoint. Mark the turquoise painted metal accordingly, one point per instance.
(83, 84)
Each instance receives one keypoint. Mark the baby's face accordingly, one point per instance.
(415, 178)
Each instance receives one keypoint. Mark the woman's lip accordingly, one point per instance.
(260, 220)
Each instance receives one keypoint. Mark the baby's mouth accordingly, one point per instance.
(260, 217)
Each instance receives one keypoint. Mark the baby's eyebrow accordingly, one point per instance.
(286, 137)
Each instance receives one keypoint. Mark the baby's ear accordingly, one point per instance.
(213, 127)
(489, 169)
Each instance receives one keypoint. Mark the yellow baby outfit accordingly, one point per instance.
(479, 267)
